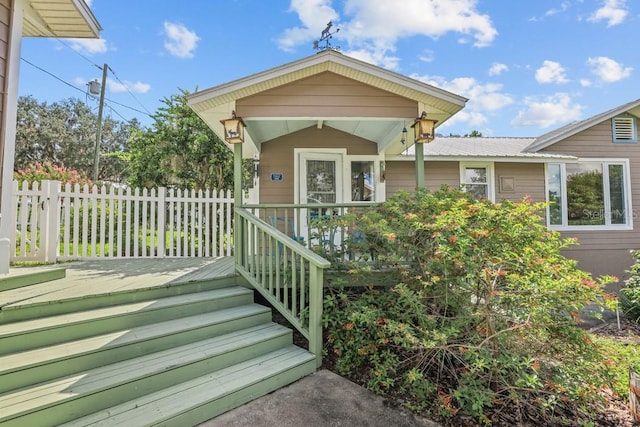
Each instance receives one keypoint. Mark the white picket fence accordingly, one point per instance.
(55, 223)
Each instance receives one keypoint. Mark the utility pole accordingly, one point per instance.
(96, 153)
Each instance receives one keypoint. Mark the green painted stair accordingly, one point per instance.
(177, 360)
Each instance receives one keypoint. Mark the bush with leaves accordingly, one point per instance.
(630, 293)
(481, 319)
(38, 172)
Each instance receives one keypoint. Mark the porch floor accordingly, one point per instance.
(100, 277)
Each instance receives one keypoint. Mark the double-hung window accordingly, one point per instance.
(477, 179)
(589, 194)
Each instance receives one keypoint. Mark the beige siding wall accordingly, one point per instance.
(527, 178)
(326, 95)
(5, 42)
(401, 175)
(277, 156)
(605, 252)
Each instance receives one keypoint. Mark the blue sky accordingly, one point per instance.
(526, 66)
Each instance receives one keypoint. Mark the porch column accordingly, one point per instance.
(419, 148)
(237, 200)
(8, 132)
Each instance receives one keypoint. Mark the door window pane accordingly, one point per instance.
(321, 181)
(362, 181)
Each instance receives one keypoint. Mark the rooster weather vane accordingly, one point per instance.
(324, 42)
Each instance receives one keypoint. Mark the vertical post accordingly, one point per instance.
(49, 220)
(237, 201)
(419, 148)
(162, 220)
(8, 134)
(316, 278)
(96, 152)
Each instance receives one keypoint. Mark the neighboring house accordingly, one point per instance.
(28, 18)
(329, 128)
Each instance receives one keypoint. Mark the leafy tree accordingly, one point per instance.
(63, 133)
(179, 150)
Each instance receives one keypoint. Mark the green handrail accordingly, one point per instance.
(286, 274)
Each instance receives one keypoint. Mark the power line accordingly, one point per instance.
(130, 93)
(83, 90)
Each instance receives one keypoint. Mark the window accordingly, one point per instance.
(477, 179)
(589, 194)
(624, 129)
(362, 181)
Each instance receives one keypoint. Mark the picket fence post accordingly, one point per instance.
(49, 220)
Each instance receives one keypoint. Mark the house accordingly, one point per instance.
(28, 18)
(332, 129)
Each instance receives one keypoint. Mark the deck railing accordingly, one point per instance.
(303, 222)
(286, 273)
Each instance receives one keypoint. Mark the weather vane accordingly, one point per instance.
(324, 42)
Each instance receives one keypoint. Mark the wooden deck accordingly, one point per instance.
(108, 276)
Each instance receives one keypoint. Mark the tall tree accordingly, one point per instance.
(179, 150)
(64, 133)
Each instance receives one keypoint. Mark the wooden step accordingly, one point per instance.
(201, 399)
(29, 278)
(68, 398)
(16, 305)
(31, 334)
(44, 364)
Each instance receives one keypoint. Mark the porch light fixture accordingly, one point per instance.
(424, 129)
(233, 129)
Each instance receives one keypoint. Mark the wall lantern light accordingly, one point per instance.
(233, 129)
(424, 129)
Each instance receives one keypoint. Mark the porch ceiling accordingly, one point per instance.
(59, 18)
(216, 103)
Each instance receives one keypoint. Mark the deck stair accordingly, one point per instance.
(174, 359)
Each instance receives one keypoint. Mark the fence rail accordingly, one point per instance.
(55, 223)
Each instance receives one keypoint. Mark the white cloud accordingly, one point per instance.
(551, 72)
(608, 70)
(483, 98)
(612, 11)
(376, 27)
(126, 86)
(88, 46)
(497, 68)
(563, 7)
(585, 82)
(427, 55)
(180, 41)
(314, 16)
(380, 58)
(547, 112)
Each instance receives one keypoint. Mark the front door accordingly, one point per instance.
(321, 181)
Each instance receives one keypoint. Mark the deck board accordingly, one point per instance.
(108, 276)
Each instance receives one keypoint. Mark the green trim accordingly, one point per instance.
(33, 278)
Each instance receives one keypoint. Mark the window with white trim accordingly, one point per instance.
(625, 129)
(477, 179)
(590, 194)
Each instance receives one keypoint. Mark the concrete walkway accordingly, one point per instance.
(322, 399)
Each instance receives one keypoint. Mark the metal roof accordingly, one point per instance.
(482, 148)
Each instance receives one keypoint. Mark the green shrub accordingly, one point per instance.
(630, 293)
(483, 316)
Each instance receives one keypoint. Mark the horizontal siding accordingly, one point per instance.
(528, 179)
(326, 95)
(277, 156)
(401, 176)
